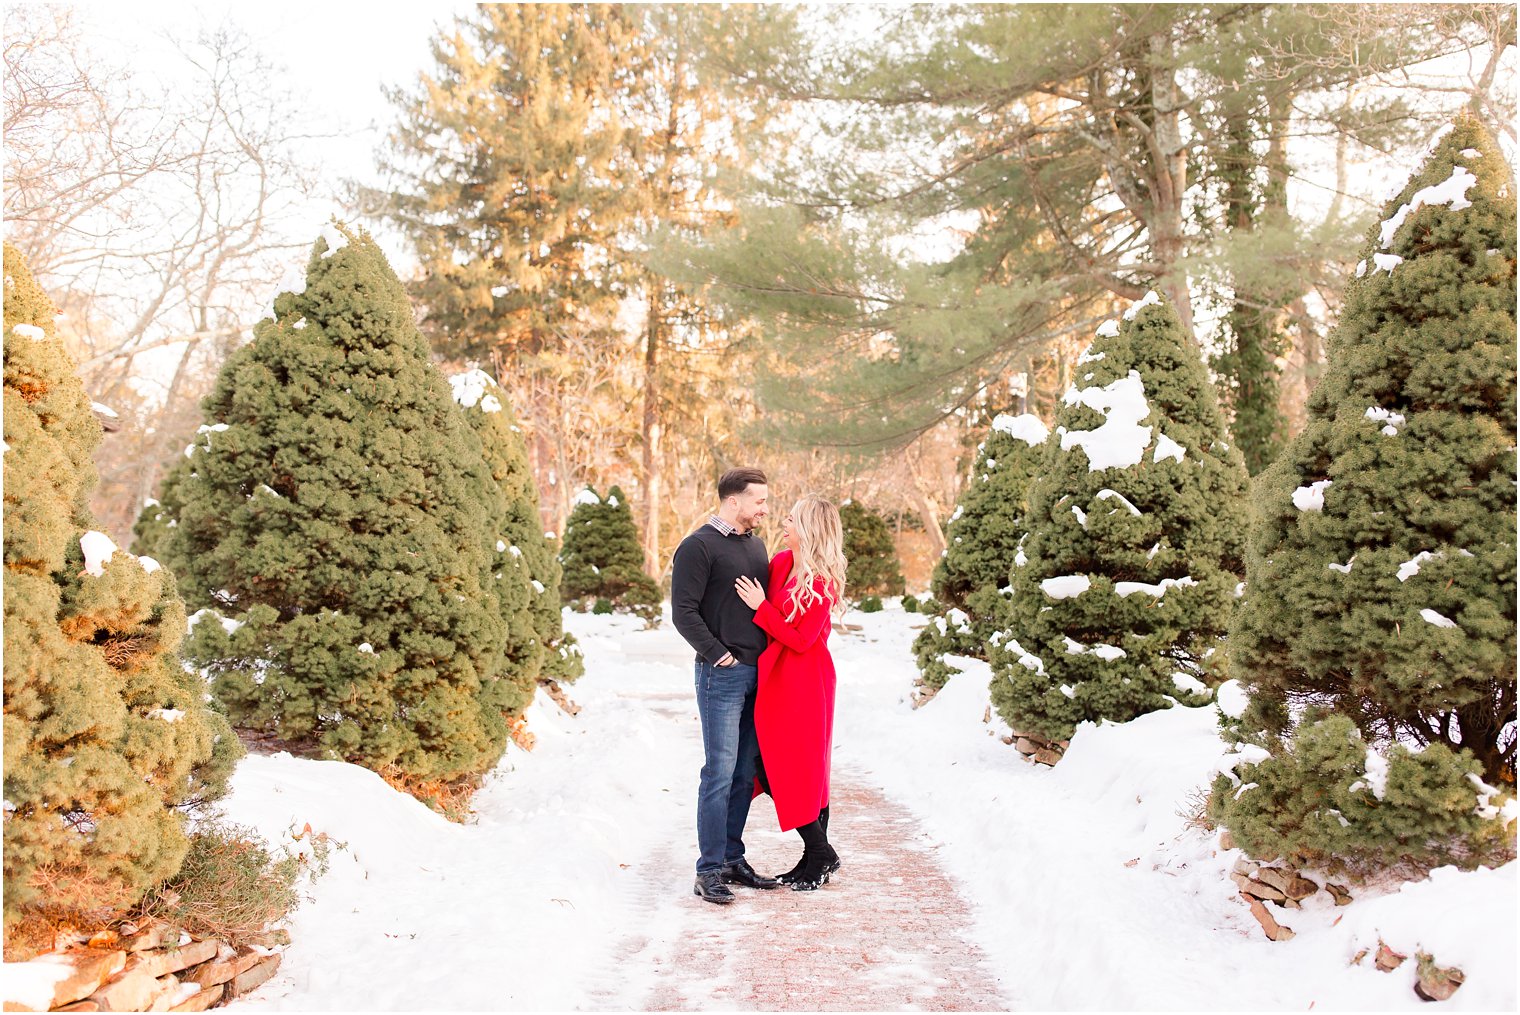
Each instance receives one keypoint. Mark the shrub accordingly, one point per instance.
(869, 553)
(870, 604)
(602, 557)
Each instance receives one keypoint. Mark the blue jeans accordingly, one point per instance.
(726, 703)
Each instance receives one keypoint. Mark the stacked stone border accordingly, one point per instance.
(158, 967)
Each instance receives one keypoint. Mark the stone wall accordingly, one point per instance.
(156, 968)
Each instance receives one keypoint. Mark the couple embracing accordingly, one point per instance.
(765, 679)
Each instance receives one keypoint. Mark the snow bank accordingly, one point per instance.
(98, 549)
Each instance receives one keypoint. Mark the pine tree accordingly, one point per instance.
(870, 553)
(527, 568)
(340, 506)
(106, 734)
(983, 535)
(602, 558)
(1136, 539)
(1381, 581)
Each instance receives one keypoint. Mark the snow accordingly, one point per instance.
(1167, 448)
(1411, 567)
(1439, 620)
(169, 715)
(1188, 683)
(103, 410)
(612, 502)
(334, 238)
(1232, 699)
(98, 548)
(1342, 568)
(1108, 653)
(1026, 427)
(228, 624)
(1126, 589)
(1106, 494)
(1452, 192)
(293, 281)
(1150, 299)
(31, 983)
(538, 586)
(1377, 773)
(587, 496)
(1378, 414)
(367, 648)
(1361, 268)
(501, 546)
(1121, 440)
(499, 291)
(148, 564)
(1108, 329)
(1081, 515)
(578, 862)
(1311, 497)
(300, 324)
(1385, 262)
(1088, 356)
(1470, 153)
(474, 387)
(31, 331)
(1066, 586)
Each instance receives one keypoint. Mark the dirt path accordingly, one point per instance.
(889, 932)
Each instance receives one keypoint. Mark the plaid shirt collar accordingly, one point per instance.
(724, 527)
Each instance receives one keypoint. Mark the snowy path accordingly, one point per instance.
(576, 877)
(1079, 887)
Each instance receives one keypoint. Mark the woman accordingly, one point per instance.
(794, 705)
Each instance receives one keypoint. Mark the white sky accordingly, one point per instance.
(339, 56)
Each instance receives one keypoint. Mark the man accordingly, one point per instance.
(714, 620)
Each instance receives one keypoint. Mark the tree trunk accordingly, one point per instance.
(1169, 180)
(651, 430)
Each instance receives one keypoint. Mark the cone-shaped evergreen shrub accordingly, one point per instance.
(152, 532)
(1381, 584)
(870, 553)
(527, 568)
(602, 558)
(105, 732)
(340, 509)
(983, 537)
(1136, 539)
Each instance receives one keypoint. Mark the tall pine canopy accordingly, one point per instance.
(340, 511)
(1381, 582)
(106, 734)
(602, 558)
(527, 569)
(983, 537)
(1136, 539)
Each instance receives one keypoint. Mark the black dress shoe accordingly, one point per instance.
(741, 873)
(711, 888)
(811, 874)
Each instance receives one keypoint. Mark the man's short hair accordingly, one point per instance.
(736, 481)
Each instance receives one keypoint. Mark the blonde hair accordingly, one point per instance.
(820, 554)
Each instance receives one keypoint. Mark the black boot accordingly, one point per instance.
(816, 855)
(832, 864)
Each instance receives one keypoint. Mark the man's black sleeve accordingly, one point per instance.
(688, 580)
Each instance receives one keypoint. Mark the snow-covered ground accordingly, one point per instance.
(572, 888)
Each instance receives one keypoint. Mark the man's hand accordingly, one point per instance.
(727, 660)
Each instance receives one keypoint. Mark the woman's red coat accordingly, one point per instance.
(794, 706)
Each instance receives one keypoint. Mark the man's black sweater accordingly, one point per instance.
(706, 609)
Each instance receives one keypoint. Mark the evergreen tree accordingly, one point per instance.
(1381, 582)
(106, 734)
(530, 601)
(509, 174)
(341, 507)
(153, 531)
(602, 558)
(1136, 539)
(870, 553)
(983, 535)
